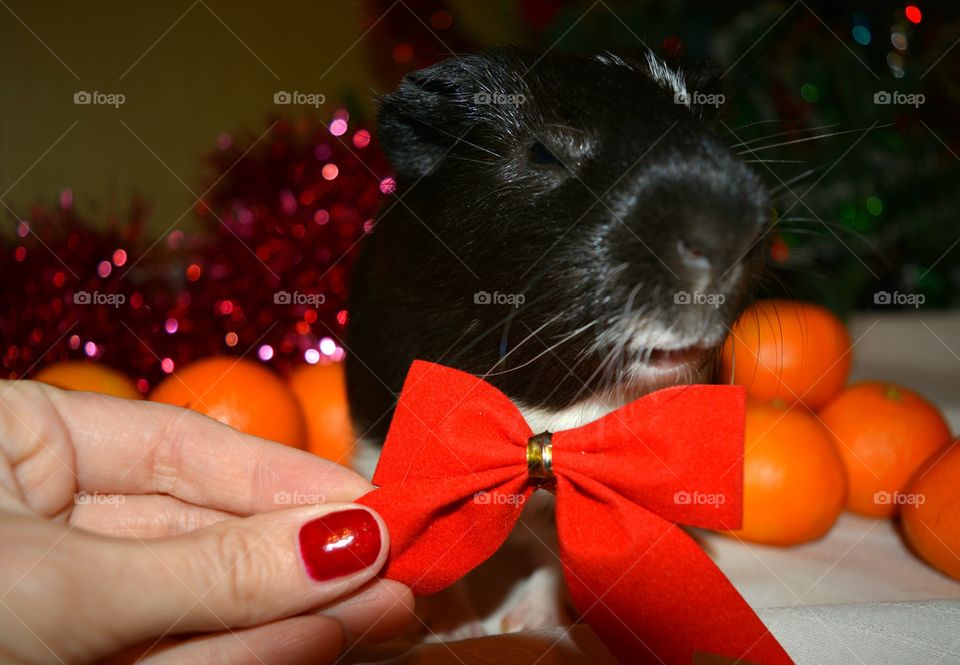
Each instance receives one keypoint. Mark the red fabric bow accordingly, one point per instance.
(454, 467)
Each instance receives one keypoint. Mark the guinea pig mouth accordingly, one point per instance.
(653, 356)
(673, 359)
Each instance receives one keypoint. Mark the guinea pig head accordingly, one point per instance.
(565, 226)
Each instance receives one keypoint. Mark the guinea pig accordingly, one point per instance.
(565, 226)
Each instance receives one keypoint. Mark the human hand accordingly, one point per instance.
(124, 524)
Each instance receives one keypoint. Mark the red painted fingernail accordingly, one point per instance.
(339, 544)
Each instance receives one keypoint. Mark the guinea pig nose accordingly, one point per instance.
(693, 255)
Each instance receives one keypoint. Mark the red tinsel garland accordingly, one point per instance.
(265, 276)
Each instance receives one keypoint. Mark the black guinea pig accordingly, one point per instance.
(565, 226)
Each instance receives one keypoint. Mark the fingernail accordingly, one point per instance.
(339, 544)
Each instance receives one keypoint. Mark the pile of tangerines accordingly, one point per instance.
(308, 411)
(814, 445)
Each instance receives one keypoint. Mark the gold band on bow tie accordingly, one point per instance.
(540, 456)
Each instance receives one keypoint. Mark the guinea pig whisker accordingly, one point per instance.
(588, 384)
(527, 287)
(801, 232)
(774, 161)
(581, 356)
(550, 348)
(460, 139)
(617, 352)
(479, 337)
(814, 220)
(568, 127)
(467, 159)
(787, 226)
(617, 359)
(477, 205)
(779, 134)
(753, 123)
(477, 208)
(828, 243)
(782, 187)
(750, 151)
(522, 342)
(600, 370)
(628, 305)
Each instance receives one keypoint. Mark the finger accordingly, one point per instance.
(382, 610)
(306, 640)
(141, 516)
(245, 572)
(129, 447)
(36, 450)
(379, 611)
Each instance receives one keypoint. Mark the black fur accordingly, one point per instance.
(501, 197)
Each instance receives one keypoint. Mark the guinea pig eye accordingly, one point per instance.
(541, 155)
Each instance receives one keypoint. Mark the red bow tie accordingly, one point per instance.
(459, 462)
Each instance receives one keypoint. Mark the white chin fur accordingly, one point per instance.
(644, 339)
(657, 339)
(643, 379)
(640, 377)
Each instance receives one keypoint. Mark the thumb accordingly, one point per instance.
(246, 572)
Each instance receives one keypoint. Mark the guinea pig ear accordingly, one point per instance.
(430, 110)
